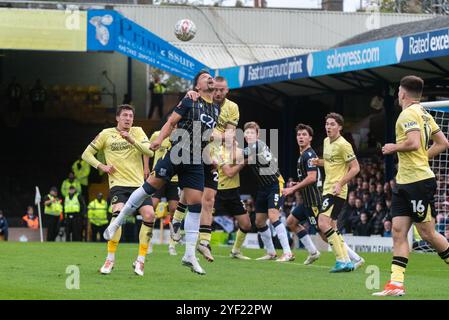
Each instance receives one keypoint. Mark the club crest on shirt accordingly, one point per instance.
(162, 172)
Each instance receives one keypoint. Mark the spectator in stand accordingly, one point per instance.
(372, 189)
(157, 90)
(359, 182)
(392, 184)
(368, 205)
(387, 229)
(379, 177)
(74, 212)
(81, 170)
(388, 215)
(355, 217)
(98, 217)
(363, 227)
(365, 186)
(379, 195)
(377, 220)
(30, 220)
(69, 182)
(372, 182)
(3, 227)
(349, 210)
(387, 190)
(361, 190)
(53, 210)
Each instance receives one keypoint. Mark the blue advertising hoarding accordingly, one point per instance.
(266, 72)
(425, 45)
(355, 57)
(110, 31)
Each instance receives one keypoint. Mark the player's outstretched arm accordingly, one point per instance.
(440, 144)
(166, 130)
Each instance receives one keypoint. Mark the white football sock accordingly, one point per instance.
(267, 241)
(191, 228)
(283, 239)
(308, 244)
(352, 254)
(135, 201)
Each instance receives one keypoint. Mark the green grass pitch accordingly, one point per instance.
(38, 271)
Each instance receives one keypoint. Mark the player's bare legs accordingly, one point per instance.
(207, 203)
(428, 233)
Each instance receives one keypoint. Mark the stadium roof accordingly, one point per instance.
(229, 36)
(227, 55)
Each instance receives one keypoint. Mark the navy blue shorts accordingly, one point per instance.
(303, 214)
(189, 175)
(268, 197)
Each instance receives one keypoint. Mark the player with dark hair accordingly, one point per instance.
(123, 147)
(340, 166)
(413, 199)
(309, 186)
(193, 121)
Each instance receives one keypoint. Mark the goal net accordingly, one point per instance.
(440, 166)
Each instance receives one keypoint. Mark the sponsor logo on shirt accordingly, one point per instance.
(410, 124)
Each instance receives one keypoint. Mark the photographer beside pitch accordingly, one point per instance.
(413, 201)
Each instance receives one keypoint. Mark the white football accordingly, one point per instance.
(185, 30)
